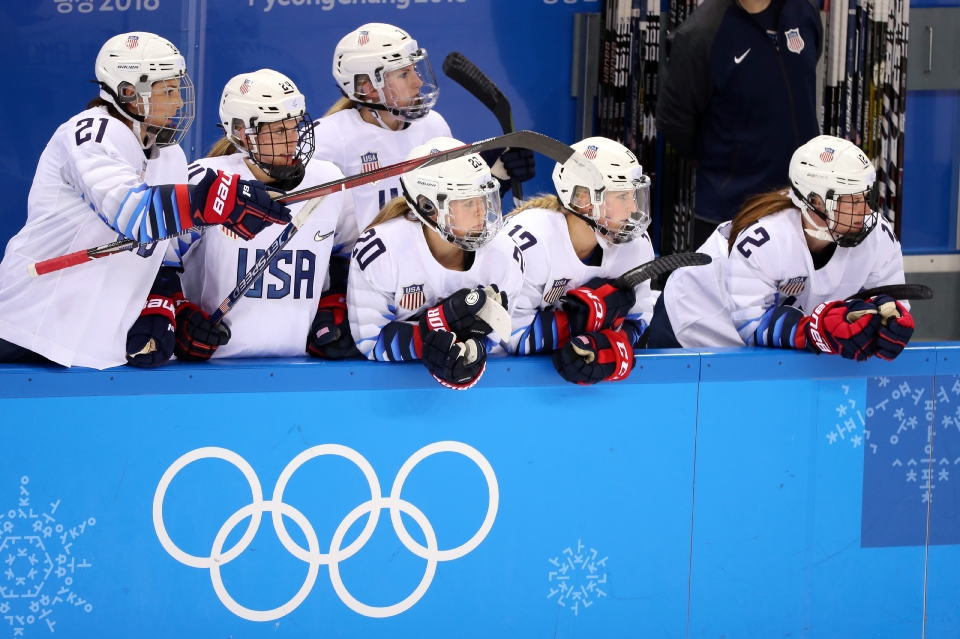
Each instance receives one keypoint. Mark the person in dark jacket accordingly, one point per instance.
(739, 96)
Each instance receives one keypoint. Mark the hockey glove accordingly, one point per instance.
(469, 314)
(896, 326)
(197, 340)
(242, 206)
(457, 365)
(519, 164)
(595, 357)
(330, 336)
(151, 339)
(848, 329)
(597, 305)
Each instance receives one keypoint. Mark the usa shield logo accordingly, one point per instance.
(369, 161)
(794, 286)
(413, 297)
(133, 41)
(363, 38)
(591, 152)
(794, 41)
(554, 292)
(245, 87)
(827, 155)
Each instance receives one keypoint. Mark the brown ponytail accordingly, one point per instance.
(111, 108)
(397, 207)
(756, 207)
(221, 147)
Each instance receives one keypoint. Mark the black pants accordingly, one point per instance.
(660, 332)
(13, 354)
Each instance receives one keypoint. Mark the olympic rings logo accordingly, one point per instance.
(312, 555)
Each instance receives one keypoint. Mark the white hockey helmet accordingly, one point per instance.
(458, 199)
(620, 211)
(842, 176)
(265, 116)
(128, 67)
(390, 60)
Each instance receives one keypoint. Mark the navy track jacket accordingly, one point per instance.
(737, 103)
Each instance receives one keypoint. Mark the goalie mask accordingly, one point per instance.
(264, 115)
(834, 180)
(620, 211)
(458, 199)
(145, 76)
(383, 58)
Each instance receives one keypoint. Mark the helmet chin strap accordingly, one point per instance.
(818, 232)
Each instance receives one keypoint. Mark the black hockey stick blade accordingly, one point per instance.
(897, 292)
(465, 73)
(659, 266)
(468, 75)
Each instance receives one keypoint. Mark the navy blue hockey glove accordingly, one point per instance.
(197, 340)
(151, 339)
(597, 305)
(595, 357)
(242, 206)
(457, 365)
(896, 326)
(330, 336)
(519, 164)
(469, 313)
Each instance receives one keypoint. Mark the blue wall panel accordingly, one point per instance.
(931, 172)
(673, 504)
(578, 498)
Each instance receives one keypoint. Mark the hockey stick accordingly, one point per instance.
(465, 73)
(556, 151)
(537, 142)
(655, 268)
(896, 291)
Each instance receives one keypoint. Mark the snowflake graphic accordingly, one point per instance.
(37, 565)
(577, 578)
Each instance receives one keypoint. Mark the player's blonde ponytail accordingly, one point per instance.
(397, 207)
(755, 208)
(221, 147)
(540, 201)
(342, 104)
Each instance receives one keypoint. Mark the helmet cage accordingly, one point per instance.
(392, 98)
(843, 205)
(140, 96)
(258, 145)
(602, 218)
(441, 215)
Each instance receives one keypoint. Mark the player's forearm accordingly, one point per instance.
(398, 342)
(547, 332)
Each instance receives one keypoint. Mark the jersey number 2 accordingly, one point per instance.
(762, 238)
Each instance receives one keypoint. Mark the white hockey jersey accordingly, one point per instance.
(393, 276)
(356, 146)
(770, 265)
(80, 316)
(552, 267)
(275, 316)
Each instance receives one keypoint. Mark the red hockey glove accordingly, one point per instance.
(197, 340)
(242, 206)
(595, 357)
(597, 305)
(896, 326)
(841, 328)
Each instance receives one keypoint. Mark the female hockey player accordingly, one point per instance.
(388, 91)
(785, 264)
(430, 278)
(299, 304)
(574, 245)
(91, 185)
